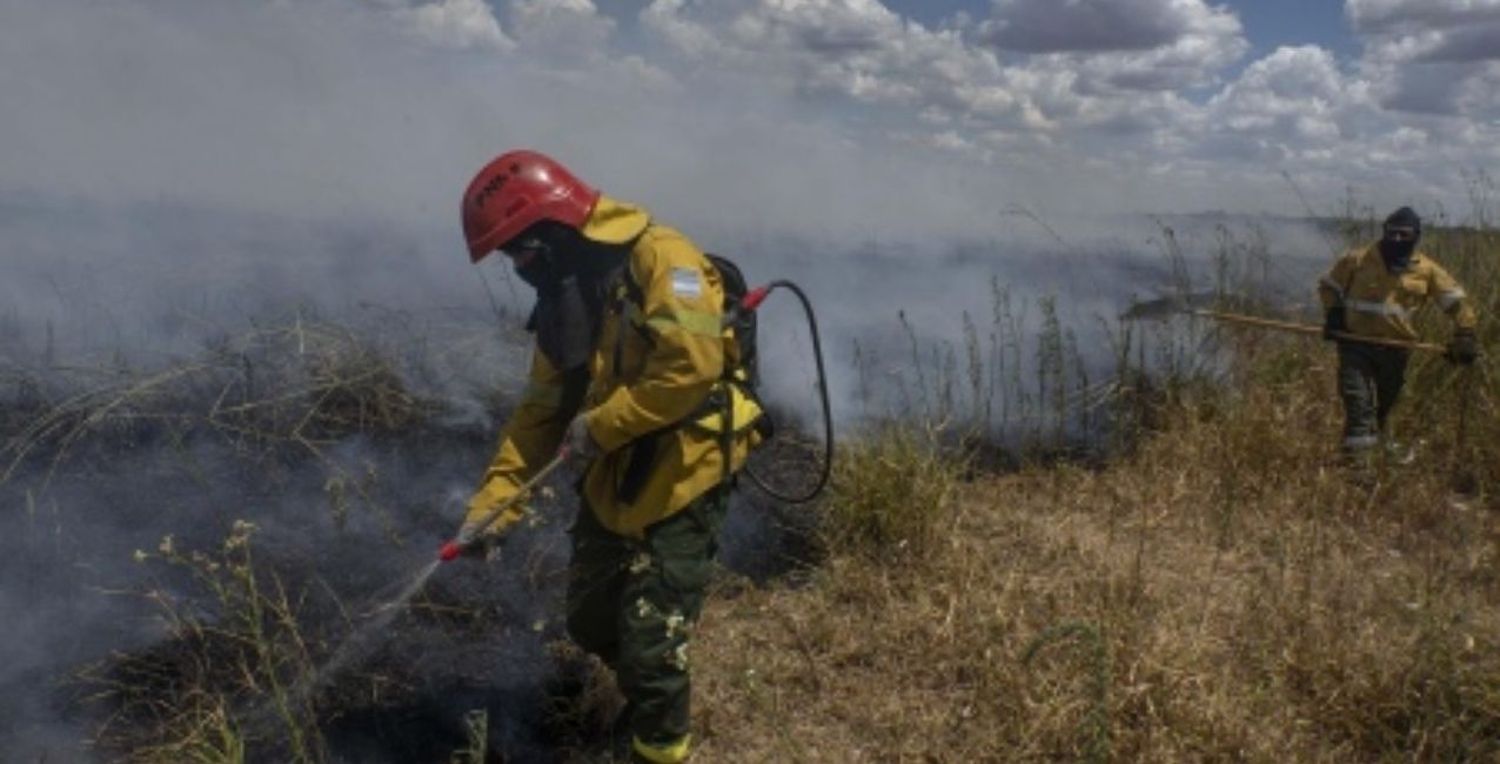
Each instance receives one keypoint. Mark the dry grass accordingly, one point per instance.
(890, 492)
(1222, 594)
(177, 702)
(1217, 590)
(301, 385)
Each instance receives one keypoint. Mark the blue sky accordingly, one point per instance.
(1272, 23)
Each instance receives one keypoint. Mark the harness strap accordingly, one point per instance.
(721, 396)
(631, 309)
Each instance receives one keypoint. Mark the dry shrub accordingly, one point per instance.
(1223, 593)
(297, 385)
(306, 383)
(477, 725)
(271, 394)
(227, 674)
(261, 660)
(21, 401)
(890, 492)
(357, 389)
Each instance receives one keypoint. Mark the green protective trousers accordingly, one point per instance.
(1370, 382)
(634, 603)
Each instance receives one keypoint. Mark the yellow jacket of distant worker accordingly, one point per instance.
(661, 352)
(1378, 303)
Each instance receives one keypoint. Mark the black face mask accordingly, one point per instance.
(1397, 254)
(1398, 241)
(541, 273)
(550, 249)
(565, 324)
(568, 272)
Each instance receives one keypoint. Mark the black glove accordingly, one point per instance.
(1333, 322)
(1463, 349)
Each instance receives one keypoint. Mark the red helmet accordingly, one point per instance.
(517, 189)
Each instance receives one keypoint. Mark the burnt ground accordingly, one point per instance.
(112, 656)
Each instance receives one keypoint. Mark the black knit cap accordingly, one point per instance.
(1405, 217)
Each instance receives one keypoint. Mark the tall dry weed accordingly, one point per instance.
(891, 492)
(226, 676)
(1219, 590)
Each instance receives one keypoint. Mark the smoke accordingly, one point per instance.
(172, 166)
(329, 109)
(176, 174)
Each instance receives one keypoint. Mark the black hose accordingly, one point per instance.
(812, 325)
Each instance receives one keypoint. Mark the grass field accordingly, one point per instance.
(1160, 561)
(1219, 590)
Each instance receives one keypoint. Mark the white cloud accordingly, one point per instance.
(1432, 56)
(669, 21)
(561, 30)
(849, 72)
(1120, 45)
(1093, 26)
(645, 75)
(1381, 16)
(1136, 85)
(456, 23)
(861, 50)
(1295, 95)
(858, 49)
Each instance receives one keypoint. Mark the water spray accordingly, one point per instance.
(373, 631)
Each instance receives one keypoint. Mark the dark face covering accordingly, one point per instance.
(569, 273)
(544, 248)
(1397, 253)
(565, 326)
(1402, 230)
(539, 272)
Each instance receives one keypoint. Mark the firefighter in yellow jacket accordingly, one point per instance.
(632, 370)
(1375, 292)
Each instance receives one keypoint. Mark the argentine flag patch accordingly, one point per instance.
(686, 283)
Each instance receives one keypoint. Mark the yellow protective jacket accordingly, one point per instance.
(1378, 303)
(662, 350)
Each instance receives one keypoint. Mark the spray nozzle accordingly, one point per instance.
(453, 549)
(755, 297)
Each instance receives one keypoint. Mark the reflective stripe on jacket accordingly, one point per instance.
(1379, 303)
(661, 351)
